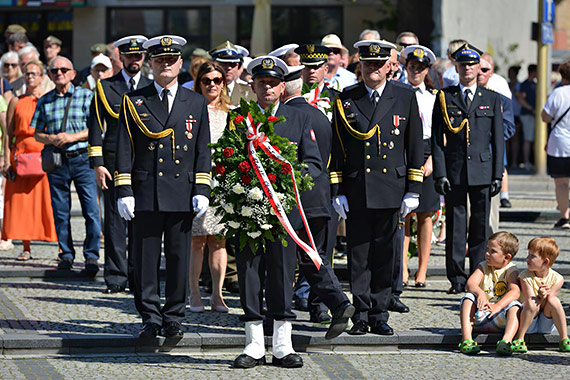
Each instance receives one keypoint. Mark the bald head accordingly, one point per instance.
(66, 62)
(487, 57)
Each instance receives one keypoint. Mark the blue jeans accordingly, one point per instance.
(75, 169)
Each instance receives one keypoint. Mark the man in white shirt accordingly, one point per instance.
(337, 77)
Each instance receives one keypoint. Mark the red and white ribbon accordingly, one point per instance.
(314, 98)
(258, 139)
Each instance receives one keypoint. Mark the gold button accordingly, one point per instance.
(160, 174)
(160, 146)
(367, 143)
(384, 170)
(367, 170)
(384, 144)
(177, 147)
(177, 162)
(160, 160)
(176, 175)
(392, 132)
(367, 156)
(384, 157)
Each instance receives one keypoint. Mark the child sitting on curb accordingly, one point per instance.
(491, 303)
(542, 310)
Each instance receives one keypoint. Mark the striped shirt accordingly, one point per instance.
(51, 108)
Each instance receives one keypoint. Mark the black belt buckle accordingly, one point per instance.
(74, 153)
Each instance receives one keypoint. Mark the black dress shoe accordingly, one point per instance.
(173, 329)
(288, 361)
(340, 319)
(246, 361)
(302, 304)
(456, 289)
(114, 289)
(505, 203)
(91, 268)
(398, 306)
(150, 330)
(359, 328)
(65, 264)
(381, 328)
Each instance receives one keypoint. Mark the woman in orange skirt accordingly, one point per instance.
(27, 209)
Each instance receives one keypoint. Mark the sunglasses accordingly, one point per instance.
(485, 70)
(335, 50)
(404, 45)
(64, 70)
(206, 81)
(11, 64)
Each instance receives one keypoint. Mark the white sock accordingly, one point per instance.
(254, 339)
(282, 344)
(504, 195)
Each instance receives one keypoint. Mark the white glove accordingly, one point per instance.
(200, 204)
(410, 202)
(126, 207)
(340, 204)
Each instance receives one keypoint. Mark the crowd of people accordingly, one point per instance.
(402, 133)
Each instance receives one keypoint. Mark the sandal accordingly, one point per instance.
(519, 346)
(469, 347)
(24, 256)
(504, 348)
(564, 345)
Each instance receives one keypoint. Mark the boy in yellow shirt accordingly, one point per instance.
(542, 310)
(491, 303)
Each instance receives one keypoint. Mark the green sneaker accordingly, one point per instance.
(504, 348)
(564, 345)
(519, 346)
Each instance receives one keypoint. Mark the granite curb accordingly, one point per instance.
(80, 344)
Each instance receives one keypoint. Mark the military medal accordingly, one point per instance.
(346, 105)
(185, 148)
(391, 145)
(396, 131)
(313, 137)
(189, 123)
(138, 102)
(396, 120)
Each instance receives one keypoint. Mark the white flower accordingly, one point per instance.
(233, 224)
(255, 194)
(246, 211)
(266, 226)
(280, 196)
(238, 189)
(228, 207)
(254, 235)
(214, 183)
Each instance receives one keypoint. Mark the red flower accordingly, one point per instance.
(228, 152)
(276, 148)
(272, 119)
(244, 166)
(246, 179)
(271, 177)
(285, 169)
(238, 119)
(220, 169)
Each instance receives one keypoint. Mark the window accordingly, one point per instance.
(190, 23)
(293, 24)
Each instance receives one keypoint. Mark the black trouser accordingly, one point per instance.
(274, 269)
(456, 230)
(118, 264)
(397, 276)
(325, 288)
(148, 229)
(370, 239)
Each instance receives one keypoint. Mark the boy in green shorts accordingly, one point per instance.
(491, 303)
(542, 310)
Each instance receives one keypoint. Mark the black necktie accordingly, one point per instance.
(165, 99)
(374, 97)
(132, 84)
(467, 98)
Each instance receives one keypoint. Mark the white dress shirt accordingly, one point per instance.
(171, 94)
(127, 78)
(426, 100)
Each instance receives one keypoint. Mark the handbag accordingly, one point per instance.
(51, 156)
(28, 164)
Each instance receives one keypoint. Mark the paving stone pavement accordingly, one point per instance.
(412, 364)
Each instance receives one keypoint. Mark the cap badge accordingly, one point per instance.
(134, 42)
(166, 41)
(310, 49)
(419, 53)
(374, 48)
(267, 64)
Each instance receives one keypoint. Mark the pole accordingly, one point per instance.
(541, 88)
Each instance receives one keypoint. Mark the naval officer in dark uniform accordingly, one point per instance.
(273, 269)
(162, 177)
(376, 171)
(467, 149)
(102, 147)
(325, 290)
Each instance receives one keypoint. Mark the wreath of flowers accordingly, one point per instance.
(237, 192)
(321, 102)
